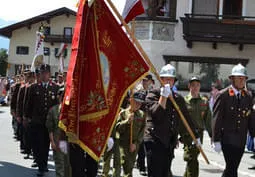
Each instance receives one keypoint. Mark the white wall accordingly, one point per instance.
(250, 8)
(156, 49)
(27, 37)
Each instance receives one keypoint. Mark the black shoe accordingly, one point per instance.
(26, 157)
(143, 173)
(34, 165)
(40, 173)
(46, 169)
(252, 168)
(253, 156)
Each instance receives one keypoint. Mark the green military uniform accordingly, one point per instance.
(201, 115)
(115, 151)
(61, 160)
(123, 134)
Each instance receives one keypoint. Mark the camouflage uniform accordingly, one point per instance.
(123, 134)
(61, 160)
(115, 152)
(201, 115)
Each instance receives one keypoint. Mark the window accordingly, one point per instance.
(46, 51)
(205, 7)
(191, 67)
(22, 50)
(47, 30)
(68, 31)
(208, 69)
(160, 8)
(232, 7)
(56, 52)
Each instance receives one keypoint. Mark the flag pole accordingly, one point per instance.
(132, 92)
(154, 71)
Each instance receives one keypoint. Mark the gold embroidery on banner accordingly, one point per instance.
(112, 94)
(95, 102)
(133, 69)
(93, 116)
(106, 39)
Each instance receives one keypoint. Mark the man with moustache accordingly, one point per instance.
(232, 113)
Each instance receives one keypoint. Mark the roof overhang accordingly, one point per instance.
(7, 31)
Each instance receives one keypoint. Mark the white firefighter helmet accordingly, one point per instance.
(168, 71)
(239, 70)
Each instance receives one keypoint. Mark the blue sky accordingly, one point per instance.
(25, 9)
(4, 42)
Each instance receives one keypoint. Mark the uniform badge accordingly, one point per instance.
(248, 113)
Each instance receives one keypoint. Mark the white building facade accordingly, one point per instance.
(199, 37)
(58, 27)
(191, 33)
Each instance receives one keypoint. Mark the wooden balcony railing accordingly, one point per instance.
(58, 38)
(218, 28)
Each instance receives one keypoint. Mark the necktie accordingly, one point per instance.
(238, 97)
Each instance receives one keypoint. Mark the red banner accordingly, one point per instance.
(109, 65)
(69, 112)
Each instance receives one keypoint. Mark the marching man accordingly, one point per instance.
(232, 115)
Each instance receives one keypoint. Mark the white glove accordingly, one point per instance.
(63, 146)
(199, 144)
(217, 146)
(166, 90)
(110, 144)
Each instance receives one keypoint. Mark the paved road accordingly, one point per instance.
(12, 163)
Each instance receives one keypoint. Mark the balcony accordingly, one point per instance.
(58, 38)
(218, 29)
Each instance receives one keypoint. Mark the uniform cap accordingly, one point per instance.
(45, 68)
(37, 71)
(167, 71)
(139, 96)
(27, 71)
(239, 70)
(194, 78)
(148, 77)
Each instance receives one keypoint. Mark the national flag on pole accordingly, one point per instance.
(61, 50)
(104, 65)
(132, 9)
(39, 53)
(60, 55)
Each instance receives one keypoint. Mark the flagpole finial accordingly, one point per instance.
(41, 28)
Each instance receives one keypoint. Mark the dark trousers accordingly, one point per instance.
(232, 156)
(77, 160)
(27, 138)
(158, 161)
(20, 135)
(91, 166)
(141, 157)
(82, 164)
(41, 144)
(22, 143)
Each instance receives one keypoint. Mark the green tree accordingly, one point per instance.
(209, 72)
(3, 61)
